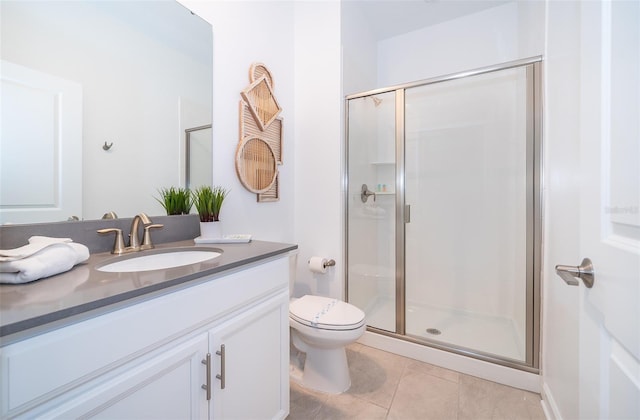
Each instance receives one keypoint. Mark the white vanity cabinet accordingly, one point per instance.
(166, 386)
(249, 354)
(149, 359)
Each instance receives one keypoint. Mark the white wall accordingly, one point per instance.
(300, 44)
(359, 51)
(244, 33)
(318, 130)
(493, 36)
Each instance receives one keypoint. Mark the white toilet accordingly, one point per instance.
(322, 327)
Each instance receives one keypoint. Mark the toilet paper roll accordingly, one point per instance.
(318, 265)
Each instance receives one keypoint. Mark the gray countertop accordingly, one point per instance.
(83, 292)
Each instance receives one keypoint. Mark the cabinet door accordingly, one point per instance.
(168, 386)
(256, 363)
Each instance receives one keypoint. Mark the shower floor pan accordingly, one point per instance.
(488, 334)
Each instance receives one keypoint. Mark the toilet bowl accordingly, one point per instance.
(322, 327)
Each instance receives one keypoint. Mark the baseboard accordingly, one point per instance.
(485, 370)
(548, 404)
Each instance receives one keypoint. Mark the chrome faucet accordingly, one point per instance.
(134, 239)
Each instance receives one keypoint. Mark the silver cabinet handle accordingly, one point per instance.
(221, 376)
(207, 386)
(570, 273)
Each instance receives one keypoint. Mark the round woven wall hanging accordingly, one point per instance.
(256, 164)
(258, 70)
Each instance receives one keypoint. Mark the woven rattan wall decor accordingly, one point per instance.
(259, 149)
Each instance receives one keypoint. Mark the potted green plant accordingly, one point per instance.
(208, 201)
(175, 200)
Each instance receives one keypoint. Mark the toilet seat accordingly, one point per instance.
(326, 313)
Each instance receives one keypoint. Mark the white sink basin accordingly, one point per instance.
(160, 260)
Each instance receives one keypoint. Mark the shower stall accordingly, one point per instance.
(443, 211)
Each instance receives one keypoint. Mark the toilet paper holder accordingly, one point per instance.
(319, 264)
(329, 263)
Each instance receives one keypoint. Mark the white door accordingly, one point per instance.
(40, 155)
(591, 337)
(609, 313)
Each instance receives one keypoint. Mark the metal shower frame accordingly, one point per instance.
(534, 173)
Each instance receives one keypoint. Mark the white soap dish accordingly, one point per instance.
(226, 239)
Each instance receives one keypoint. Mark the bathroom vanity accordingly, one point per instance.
(207, 340)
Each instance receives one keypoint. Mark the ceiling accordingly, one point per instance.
(390, 18)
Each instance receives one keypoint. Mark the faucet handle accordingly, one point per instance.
(118, 243)
(146, 240)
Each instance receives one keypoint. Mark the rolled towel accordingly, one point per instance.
(54, 259)
(36, 243)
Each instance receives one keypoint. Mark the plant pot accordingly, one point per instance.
(210, 230)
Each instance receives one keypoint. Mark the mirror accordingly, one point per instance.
(199, 166)
(139, 75)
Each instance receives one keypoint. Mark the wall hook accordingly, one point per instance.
(106, 146)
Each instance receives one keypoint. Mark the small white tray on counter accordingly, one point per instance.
(226, 239)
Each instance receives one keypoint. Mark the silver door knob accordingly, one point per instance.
(570, 273)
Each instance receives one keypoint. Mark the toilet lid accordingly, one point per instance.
(326, 313)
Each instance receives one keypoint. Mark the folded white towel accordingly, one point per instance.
(53, 259)
(36, 243)
(48, 291)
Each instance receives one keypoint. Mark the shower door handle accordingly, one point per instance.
(570, 273)
(407, 213)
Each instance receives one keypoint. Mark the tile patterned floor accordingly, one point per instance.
(388, 386)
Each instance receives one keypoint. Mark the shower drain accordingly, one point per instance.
(434, 331)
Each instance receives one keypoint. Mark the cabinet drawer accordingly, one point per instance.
(42, 367)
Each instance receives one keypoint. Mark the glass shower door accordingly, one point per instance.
(468, 163)
(370, 209)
